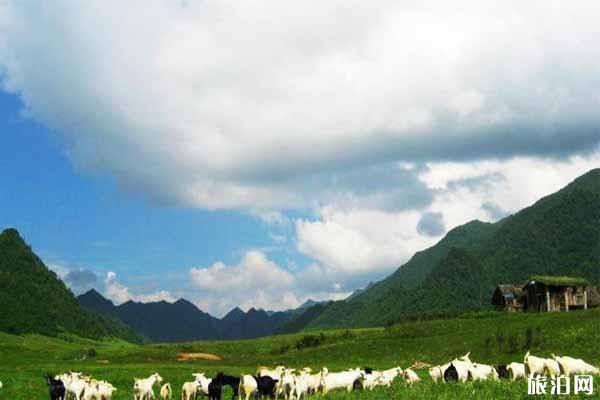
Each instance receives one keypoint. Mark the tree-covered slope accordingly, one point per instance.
(34, 300)
(558, 235)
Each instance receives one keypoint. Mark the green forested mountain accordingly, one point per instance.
(558, 235)
(34, 300)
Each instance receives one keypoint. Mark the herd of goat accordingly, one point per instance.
(295, 385)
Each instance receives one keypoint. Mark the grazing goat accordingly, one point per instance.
(392, 373)
(143, 389)
(105, 390)
(551, 367)
(484, 371)
(368, 379)
(98, 390)
(410, 377)
(215, 388)
(575, 366)
(516, 370)
(338, 380)
(165, 392)
(248, 386)
(56, 388)
(437, 373)
(533, 365)
(231, 381)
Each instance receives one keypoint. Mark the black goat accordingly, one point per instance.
(228, 380)
(215, 388)
(451, 374)
(266, 385)
(55, 387)
(503, 371)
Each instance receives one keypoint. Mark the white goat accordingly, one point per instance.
(248, 387)
(300, 387)
(516, 370)
(391, 374)
(143, 389)
(410, 377)
(338, 380)
(485, 371)
(189, 390)
(551, 367)
(533, 365)
(202, 382)
(74, 384)
(575, 366)
(165, 392)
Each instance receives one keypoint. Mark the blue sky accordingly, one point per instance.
(205, 151)
(76, 221)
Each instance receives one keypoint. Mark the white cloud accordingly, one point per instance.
(360, 242)
(237, 104)
(523, 182)
(120, 293)
(254, 272)
(255, 282)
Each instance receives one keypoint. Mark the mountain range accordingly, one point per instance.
(182, 321)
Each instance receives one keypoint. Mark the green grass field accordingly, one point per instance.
(491, 338)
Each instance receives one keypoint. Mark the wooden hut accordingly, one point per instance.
(555, 293)
(508, 298)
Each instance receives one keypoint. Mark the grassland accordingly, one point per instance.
(491, 338)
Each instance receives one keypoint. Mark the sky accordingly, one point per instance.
(261, 153)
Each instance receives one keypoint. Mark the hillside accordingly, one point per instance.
(558, 235)
(183, 321)
(34, 300)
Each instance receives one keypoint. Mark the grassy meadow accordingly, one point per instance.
(491, 337)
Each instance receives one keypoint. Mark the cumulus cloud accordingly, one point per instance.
(119, 293)
(431, 224)
(256, 281)
(237, 105)
(359, 243)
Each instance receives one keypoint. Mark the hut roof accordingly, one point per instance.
(550, 280)
(510, 290)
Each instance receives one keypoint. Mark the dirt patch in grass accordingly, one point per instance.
(197, 356)
(102, 361)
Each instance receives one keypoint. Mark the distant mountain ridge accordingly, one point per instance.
(182, 321)
(34, 300)
(558, 235)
